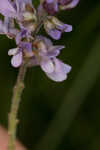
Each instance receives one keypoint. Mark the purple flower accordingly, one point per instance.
(17, 58)
(46, 56)
(56, 70)
(53, 6)
(55, 28)
(24, 50)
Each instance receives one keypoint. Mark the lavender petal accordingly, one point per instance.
(6, 9)
(60, 72)
(16, 60)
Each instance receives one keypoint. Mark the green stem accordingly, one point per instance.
(17, 92)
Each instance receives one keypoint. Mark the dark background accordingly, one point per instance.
(60, 116)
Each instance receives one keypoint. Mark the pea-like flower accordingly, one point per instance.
(24, 50)
(55, 27)
(45, 54)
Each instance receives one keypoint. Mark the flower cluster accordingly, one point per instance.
(22, 23)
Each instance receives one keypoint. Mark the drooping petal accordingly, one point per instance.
(65, 28)
(13, 51)
(60, 72)
(70, 5)
(55, 34)
(6, 9)
(16, 60)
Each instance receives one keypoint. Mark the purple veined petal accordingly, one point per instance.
(16, 60)
(65, 28)
(55, 34)
(60, 72)
(70, 5)
(47, 66)
(54, 51)
(6, 9)
(68, 28)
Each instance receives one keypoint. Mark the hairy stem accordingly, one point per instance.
(17, 92)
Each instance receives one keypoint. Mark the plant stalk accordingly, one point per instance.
(17, 92)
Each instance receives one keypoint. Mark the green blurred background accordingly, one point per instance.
(60, 116)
